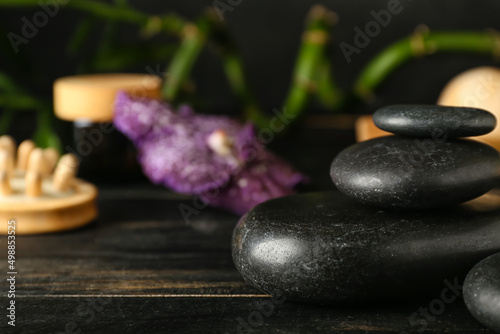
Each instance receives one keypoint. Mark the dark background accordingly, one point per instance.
(268, 36)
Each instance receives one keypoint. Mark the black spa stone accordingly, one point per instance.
(482, 292)
(327, 248)
(434, 121)
(414, 173)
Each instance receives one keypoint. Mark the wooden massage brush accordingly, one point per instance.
(39, 190)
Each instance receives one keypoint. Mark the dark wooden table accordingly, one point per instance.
(141, 268)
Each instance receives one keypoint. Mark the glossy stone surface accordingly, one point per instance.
(404, 172)
(434, 121)
(327, 248)
(482, 292)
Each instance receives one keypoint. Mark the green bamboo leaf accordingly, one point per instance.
(44, 135)
(7, 84)
(110, 12)
(45, 138)
(402, 51)
(327, 92)
(193, 40)
(121, 3)
(320, 21)
(235, 69)
(18, 101)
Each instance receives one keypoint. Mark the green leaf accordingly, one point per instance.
(18, 101)
(44, 135)
(121, 3)
(45, 138)
(7, 84)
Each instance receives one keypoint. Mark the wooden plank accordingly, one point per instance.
(119, 254)
(225, 315)
(141, 268)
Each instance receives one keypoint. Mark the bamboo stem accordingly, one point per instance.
(170, 23)
(327, 90)
(310, 55)
(193, 38)
(110, 12)
(235, 70)
(420, 44)
(312, 71)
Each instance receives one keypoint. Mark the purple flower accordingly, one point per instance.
(214, 157)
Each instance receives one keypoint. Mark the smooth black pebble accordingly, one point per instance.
(482, 292)
(434, 121)
(414, 173)
(327, 248)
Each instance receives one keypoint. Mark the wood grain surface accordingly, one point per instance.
(141, 268)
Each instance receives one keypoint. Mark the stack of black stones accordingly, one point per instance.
(412, 215)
